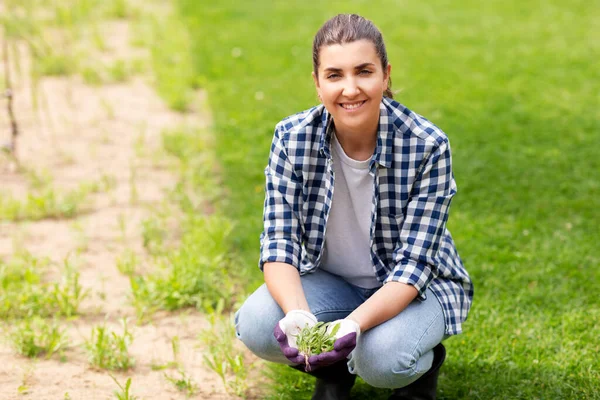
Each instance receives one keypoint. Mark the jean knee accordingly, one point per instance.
(254, 324)
(392, 366)
(391, 374)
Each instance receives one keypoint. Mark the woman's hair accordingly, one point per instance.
(347, 28)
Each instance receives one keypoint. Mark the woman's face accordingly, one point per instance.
(350, 83)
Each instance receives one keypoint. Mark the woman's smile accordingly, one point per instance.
(352, 106)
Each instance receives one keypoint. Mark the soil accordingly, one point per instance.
(81, 133)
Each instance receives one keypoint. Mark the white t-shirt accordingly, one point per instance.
(347, 250)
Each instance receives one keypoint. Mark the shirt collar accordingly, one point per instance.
(385, 136)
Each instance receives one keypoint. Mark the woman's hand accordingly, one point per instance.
(288, 328)
(345, 342)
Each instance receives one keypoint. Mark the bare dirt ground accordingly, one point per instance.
(82, 134)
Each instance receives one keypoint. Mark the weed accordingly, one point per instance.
(138, 66)
(140, 141)
(39, 180)
(68, 294)
(153, 234)
(134, 196)
(25, 294)
(80, 237)
(47, 202)
(122, 223)
(117, 9)
(33, 337)
(127, 262)
(184, 383)
(25, 381)
(107, 350)
(108, 109)
(123, 392)
(119, 71)
(220, 354)
(170, 364)
(91, 75)
(97, 38)
(53, 64)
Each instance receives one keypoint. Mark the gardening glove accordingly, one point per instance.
(345, 342)
(288, 328)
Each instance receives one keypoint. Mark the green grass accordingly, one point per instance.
(512, 84)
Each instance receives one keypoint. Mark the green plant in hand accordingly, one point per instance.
(316, 339)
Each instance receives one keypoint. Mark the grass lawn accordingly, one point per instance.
(515, 86)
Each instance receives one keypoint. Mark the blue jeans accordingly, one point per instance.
(390, 355)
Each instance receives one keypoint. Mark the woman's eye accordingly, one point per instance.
(330, 76)
(365, 72)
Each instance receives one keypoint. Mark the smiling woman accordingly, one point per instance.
(357, 197)
(350, 81)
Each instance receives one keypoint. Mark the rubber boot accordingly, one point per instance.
(333, 382)
(425, 387)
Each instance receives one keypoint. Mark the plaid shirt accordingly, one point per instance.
(413, 187)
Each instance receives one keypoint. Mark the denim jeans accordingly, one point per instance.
(390, 355)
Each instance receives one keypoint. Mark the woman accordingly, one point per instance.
(357, 197)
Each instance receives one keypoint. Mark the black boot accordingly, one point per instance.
(425, 387)
(333, 382)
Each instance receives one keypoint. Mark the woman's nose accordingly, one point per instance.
(350, 88)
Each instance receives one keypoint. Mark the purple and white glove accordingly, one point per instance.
(288, 328)
(345, 342)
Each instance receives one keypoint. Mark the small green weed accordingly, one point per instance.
(108, 350)
(91, 75)
(184, 383)
(35, 336)
(119, 71)
(153, 234)
(123, 392)
(221, 356)
(170, 364)
(117, 9)
(47, 202)
(68, 294)
(23, 292)
(127, 262)
(134, 196)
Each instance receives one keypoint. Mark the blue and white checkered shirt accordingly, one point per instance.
(413, 187)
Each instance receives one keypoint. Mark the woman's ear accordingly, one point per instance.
(316, 81)
(387, 74)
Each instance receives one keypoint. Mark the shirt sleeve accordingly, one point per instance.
(280, 240)
(425, 222)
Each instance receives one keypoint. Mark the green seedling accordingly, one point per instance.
(36, 336)
(123, 393)
(107, 350)
(184, 383)
(316, 339)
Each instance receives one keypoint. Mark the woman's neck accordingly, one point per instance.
(357, 145)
